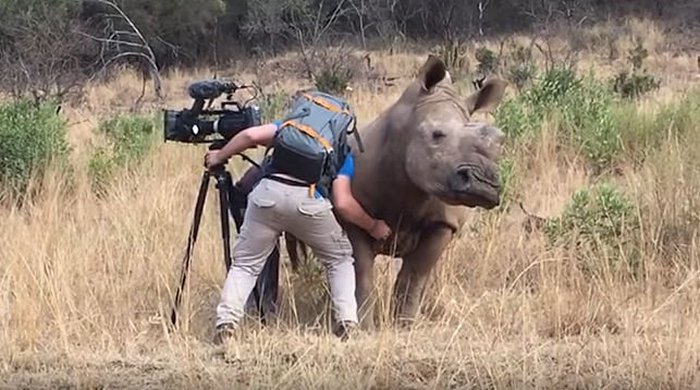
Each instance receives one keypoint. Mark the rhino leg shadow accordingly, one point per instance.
(412, 279)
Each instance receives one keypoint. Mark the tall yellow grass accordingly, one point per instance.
(86, 282)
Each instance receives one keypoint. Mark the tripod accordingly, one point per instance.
(233, 200)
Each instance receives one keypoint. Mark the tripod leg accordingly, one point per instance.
(194, 230)
(223, 185)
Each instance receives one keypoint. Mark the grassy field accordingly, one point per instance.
(86, 279)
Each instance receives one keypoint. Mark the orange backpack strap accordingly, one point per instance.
(325, 104)
(310, 132)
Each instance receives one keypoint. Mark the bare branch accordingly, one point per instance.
(123, 38)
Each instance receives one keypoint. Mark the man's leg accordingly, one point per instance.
(317, 227)
(254, 244)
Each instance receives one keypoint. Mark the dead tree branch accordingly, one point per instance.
(126, 42)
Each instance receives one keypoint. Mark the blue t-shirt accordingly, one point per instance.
(347, 170)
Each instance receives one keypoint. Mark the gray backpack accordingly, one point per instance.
(311, 145)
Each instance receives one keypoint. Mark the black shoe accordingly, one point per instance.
(344, 330)
(223, 333)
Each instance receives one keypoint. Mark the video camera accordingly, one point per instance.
(195, 124)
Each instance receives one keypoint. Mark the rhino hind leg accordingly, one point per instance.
(293, 246)
(415, 271)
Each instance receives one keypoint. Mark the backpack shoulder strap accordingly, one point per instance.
(311, 132)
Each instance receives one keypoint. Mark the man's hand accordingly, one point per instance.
(213, 158)
(253, 136)
(350, 210)
(380, 230)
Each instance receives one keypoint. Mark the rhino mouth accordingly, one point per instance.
(469, 186)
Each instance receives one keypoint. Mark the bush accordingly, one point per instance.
(31, 137)
(488, 61)
(334, 80)
(637, 82)
(522, 70)
(554, 85)
(597, 223)
(508, 175)
(129, 139)
(516, 120)
(582, 107)
(521, 74)
(588, 120)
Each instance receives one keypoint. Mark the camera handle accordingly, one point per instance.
(232, 201)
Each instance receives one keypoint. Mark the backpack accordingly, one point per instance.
(311, 144)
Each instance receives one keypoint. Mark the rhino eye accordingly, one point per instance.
(438, 135)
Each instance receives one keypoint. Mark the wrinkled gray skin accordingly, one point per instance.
(424, 161)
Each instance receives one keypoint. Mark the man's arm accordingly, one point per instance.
(248, 138)
(350, 209)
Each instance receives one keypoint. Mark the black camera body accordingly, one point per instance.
(196, 124)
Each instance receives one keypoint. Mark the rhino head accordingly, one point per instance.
(446, 153)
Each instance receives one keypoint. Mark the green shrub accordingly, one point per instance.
(588, 121)
(334, 80)
(129, 138)
(31, 137)
(508, 175)
(554, 85)
(488, 61)
(522, 70)
(515, 119)
(581, 106)
(637, 82)
(521, 74)
(597, 222)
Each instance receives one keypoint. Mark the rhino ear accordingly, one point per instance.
(488, 97)
(432, 72)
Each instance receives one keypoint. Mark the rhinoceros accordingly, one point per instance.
(424, 164)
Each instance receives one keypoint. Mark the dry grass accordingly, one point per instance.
(85, 283)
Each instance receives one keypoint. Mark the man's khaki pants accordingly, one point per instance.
(274, 207)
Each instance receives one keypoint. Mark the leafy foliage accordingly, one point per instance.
(31, 137)
(487, 59)
(129, 139)
(581, 106)
(596, 225)
(334, 80)
(508, 175)
(637, 82)
(522, 69)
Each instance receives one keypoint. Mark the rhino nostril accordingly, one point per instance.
(464, 175)
(461, 179)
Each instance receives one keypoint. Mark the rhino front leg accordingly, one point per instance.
(364, 255)
(413, 277)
